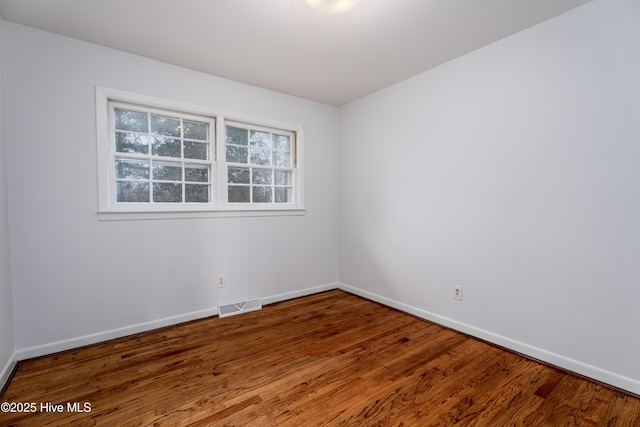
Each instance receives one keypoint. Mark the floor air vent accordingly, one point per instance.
(231, 308)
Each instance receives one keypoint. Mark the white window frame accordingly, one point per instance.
(113, 156)
(109, 209)
(250, 127)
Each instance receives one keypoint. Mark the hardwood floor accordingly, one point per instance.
(325, 360)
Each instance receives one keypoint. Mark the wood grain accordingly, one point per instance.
(330, 359)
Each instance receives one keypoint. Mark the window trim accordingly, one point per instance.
(108, 209)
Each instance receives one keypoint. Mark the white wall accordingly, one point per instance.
(76, 279)
(514, 172)
(7, 342)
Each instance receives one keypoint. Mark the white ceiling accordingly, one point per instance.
(286, 46)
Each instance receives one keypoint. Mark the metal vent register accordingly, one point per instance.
(231, 308)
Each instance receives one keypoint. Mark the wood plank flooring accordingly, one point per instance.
(331, 359)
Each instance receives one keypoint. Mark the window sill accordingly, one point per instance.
(230, 213)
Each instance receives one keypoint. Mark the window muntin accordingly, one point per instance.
(161, 157)
(260, 165)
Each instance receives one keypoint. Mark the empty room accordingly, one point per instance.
(320, 212)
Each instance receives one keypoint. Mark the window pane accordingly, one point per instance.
(196, 173)
(283, 194)
(165, 126)
(237, 154)
(167, 171)
(260, 157)
(236, 136)
(260, 139)
(195, 130)
(262, 194)
(167, 193)
(281, 158)
(238, 194)
(196, 150)
(130, 120)
(132, 192)
(282, 177)
(261, 176)
(281, 142)
(238, 175)
(132, 169)
(196, 193)
(168, 147)
(132, 143)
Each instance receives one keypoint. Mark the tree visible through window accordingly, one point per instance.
(260, 164)
(166, 159)
(161, 158)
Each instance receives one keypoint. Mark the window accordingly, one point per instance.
(163, 159)
(160, 156)
(259, 164)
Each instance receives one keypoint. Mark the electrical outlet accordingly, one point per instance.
(222, 281)
(457, 292)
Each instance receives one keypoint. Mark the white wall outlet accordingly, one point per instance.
(457, 292)
(221, 281)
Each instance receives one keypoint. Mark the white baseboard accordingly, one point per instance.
(54, 347)
(5, 373)
(619, 381)
(297, 294)
(50, 348)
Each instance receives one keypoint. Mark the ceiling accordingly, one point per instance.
(285, 45)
